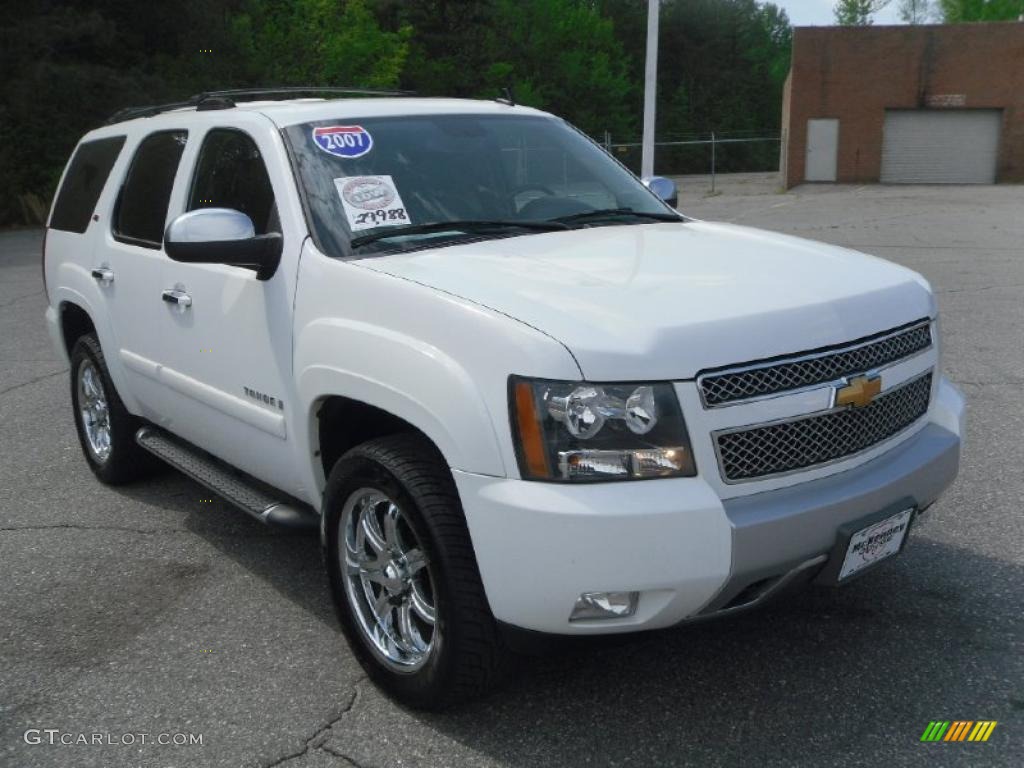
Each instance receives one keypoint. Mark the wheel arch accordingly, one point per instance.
(75, 322)
(342, 423)
(346, 409)
(73, 315)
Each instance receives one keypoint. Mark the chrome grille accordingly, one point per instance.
(773, 449)
(783, 375)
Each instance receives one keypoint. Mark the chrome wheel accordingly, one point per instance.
(94, 412)
(387, 581)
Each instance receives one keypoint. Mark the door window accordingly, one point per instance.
(230, 173)
(142, 209)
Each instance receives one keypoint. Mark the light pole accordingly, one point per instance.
(650, 88)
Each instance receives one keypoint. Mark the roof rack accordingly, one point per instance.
(225, 99)
(130, 113)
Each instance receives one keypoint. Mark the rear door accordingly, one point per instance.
(132, 261)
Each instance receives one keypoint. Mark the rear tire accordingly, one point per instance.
(438, 643)
(106, 430)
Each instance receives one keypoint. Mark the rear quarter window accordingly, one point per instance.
(87, 174)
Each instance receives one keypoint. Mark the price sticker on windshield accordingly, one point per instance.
(371, 201)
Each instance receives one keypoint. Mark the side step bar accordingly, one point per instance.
(246, 493)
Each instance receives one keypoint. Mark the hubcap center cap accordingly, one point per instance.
(397, 576)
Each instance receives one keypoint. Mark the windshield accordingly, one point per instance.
(390, 184)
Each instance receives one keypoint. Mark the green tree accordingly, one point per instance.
(915, 11)
(67, 67)
(319, 42)
(722, 63)
(68, 64)
(956, 11)
(562, 55)
(448, 51)
(856, 13)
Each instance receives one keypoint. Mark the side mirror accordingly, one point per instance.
(663, 188)
(222, 236)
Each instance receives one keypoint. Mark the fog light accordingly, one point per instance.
(596, 464)
(604, 605)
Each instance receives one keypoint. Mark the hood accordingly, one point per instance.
(664, 301)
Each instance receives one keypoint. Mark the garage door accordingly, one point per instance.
(935, 146)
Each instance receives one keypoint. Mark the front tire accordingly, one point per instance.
(105, 428)
(403, 575)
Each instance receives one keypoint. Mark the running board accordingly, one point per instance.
(246, 493)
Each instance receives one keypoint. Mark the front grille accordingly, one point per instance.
(782, 375)
(786, 446)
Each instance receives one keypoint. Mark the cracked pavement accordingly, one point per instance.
(146, 610)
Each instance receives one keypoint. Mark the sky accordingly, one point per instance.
(807, 13)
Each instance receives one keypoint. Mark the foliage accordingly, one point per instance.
(915, 11)
(856, 13)
(562, 56)
(65, 69)
(955, 11)
(339, 45)
(69, 64)
(449, 50)
(722, 65)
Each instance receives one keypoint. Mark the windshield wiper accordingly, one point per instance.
(468, 226)
(610, 213)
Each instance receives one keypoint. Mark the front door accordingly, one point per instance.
(227, 351)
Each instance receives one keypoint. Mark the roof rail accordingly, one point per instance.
(130, 113)
(225, 99)
(294, 89)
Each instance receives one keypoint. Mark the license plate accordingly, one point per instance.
(875, 543)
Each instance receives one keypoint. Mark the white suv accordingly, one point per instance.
(513, 388)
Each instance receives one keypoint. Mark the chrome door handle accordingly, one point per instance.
(104, 275)
(177, 297)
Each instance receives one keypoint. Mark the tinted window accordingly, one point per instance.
(231, 174)
(83, 183)
(142, 210)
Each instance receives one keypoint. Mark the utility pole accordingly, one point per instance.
(650, 88)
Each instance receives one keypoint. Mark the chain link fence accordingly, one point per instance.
(709, 153)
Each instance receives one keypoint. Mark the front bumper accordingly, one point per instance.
(689, 554)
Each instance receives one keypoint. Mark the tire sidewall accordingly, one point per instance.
(126, 461)
(81, 354)
(425, 685)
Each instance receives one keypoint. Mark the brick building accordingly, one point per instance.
(905, 104)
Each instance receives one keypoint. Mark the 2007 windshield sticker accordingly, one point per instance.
(347, 141)
(371, 201)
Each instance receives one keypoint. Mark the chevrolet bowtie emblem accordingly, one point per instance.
(859, 392)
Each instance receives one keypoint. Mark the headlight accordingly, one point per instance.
(583, 431)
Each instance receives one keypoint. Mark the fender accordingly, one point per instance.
(74, 274)
(437, 361)
(404, 376)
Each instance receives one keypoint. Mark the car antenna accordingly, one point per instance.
(507, 98)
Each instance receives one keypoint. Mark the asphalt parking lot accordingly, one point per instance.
(146, 609)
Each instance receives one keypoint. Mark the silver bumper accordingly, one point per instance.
(780, 535)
